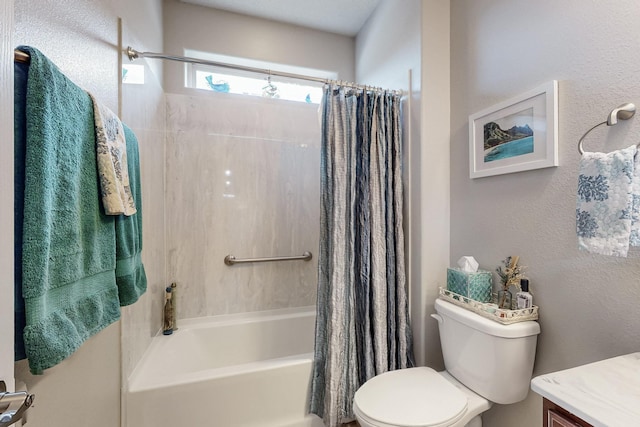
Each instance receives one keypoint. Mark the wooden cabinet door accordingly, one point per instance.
(556, 416)
(554, 419)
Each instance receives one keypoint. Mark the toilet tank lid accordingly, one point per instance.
(482, 324)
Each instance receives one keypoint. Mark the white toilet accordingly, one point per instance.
(486, 362)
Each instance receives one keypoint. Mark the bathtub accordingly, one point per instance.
(245, 370)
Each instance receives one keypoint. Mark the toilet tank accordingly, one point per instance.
(492, 359)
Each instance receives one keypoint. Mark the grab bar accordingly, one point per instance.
(230, 259)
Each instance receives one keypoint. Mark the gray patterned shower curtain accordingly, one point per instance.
(362, 325)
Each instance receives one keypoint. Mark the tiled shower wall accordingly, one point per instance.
(242, 178)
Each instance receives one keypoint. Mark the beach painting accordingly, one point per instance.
(515, 135)
(509, 136)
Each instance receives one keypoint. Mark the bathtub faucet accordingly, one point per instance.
(169, 312)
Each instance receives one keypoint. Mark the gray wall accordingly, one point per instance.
(188, 26)
(500, 48)
(395, 41)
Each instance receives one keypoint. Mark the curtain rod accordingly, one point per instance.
(134, 54)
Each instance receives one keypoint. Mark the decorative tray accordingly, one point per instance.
(490, 311)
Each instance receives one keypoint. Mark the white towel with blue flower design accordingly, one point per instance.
(111, 156)
(634, 239)
(609, 202)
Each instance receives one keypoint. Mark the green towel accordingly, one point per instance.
(130, 275)
(69, 245)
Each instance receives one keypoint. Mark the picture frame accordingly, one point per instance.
(515, 135)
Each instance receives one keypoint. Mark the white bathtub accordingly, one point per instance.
(242, 370)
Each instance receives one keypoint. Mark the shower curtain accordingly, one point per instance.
(362, 326)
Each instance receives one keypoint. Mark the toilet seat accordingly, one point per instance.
(414, 397)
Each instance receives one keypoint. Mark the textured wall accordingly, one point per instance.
(243, 177)
(6, 193)
(87, 384)
(500, 48)
(89, 34)
(82, 39)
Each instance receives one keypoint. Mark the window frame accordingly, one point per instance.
(191, 71)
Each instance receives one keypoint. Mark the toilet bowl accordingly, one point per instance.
(479, 354)
(417, 397)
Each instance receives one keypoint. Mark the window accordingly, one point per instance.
(227, 80)
(133, 74)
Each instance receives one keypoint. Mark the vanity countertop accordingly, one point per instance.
(604, 393)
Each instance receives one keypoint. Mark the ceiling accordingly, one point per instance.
(335, 16)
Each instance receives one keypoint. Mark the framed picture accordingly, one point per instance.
(516, 135)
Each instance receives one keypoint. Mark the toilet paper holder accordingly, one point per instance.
(13, 405)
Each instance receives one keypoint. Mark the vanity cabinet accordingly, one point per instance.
(604, 393)
(556, 416)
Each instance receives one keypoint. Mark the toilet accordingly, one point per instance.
(486, 362)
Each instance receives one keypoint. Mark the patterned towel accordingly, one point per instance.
(607, 204)
(635, 211)
(111, 150)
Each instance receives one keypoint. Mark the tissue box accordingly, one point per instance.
(476, 286)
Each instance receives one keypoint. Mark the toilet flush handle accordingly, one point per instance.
(437, 317)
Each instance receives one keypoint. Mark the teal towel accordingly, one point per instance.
(69, 253)
(130, 275)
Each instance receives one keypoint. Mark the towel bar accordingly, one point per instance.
(622, 112)
(231, 260)
(13, 405)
